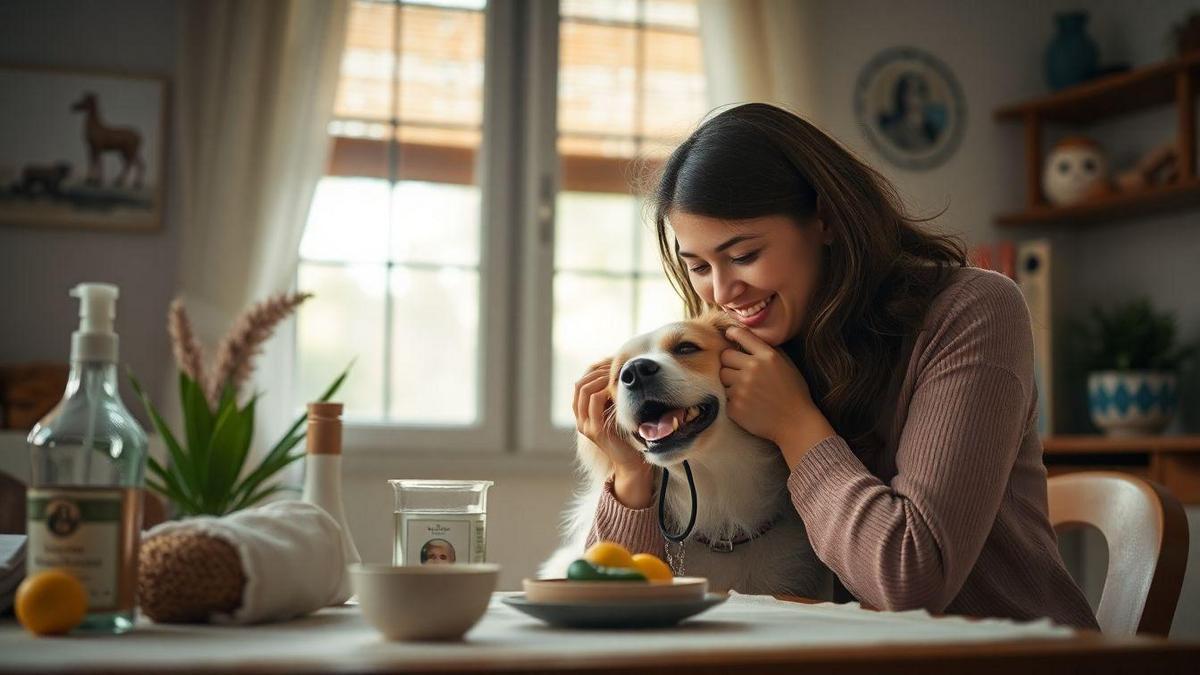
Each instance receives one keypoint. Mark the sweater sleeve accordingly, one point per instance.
(911, 543)
(635, 529)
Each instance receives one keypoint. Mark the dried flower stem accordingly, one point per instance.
(189, 355)
(235, 357)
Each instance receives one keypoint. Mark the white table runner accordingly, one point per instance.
(340, 636)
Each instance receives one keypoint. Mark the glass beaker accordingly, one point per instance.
(439, 522)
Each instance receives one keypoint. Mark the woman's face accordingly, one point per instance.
(739, 265)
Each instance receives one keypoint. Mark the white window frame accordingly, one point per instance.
(519, 179)
(536, 432)
(491, 434)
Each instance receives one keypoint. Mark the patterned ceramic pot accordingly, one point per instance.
(1132, 402)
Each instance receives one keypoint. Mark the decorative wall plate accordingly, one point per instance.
(910, 107)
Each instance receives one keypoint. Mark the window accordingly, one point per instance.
(471, 253)
(630, 83)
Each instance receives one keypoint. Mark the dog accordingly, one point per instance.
(669, 404)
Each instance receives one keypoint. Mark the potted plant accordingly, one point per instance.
(1133, 361)
(205, 473)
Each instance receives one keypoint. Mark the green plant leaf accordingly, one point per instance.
(267, 469)
(231, 434)
(180, 461)
(171, 488)
(277, 457)
(260, 495)
(197, 418)
(228, 461)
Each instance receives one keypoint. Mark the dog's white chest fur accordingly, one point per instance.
(780, 562)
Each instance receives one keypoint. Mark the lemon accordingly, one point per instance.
(51, 602)
(652, 568)
(608, 554)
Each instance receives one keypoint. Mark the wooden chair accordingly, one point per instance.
(1146, 531)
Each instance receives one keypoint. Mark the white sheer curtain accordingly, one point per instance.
(760, 50)
(255, 90)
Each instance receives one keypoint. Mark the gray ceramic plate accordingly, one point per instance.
(640, 614)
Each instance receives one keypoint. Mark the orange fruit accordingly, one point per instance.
(51, 602)
(608, 554)
(652, 567)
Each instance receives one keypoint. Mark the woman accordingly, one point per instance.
(896, 380)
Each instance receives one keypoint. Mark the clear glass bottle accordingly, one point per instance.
(88, 459)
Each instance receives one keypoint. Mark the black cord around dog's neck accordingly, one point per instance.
(662, 505)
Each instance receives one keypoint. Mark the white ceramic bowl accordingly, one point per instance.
(431, 602)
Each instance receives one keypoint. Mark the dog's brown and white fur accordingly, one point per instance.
(740, 478)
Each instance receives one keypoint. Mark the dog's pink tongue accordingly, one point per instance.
(665, 426)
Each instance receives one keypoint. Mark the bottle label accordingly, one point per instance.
(90, 532)
(440, 539)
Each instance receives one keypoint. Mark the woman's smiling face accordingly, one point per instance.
(739, 265)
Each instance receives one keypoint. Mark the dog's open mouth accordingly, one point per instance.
(663, 426)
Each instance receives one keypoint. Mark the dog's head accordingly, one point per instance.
(669, 402)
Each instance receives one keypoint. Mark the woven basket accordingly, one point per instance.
(187, 576)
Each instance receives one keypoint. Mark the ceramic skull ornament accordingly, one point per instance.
(1076, 169)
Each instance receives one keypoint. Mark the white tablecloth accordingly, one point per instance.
(340, 636)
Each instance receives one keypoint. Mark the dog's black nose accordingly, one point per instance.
(637, 372)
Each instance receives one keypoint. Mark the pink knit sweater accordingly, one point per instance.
(952, 518)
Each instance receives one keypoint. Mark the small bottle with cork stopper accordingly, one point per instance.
(323, 472)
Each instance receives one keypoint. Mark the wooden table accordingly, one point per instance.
(359, 650)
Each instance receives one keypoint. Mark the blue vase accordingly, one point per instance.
(1072, 56)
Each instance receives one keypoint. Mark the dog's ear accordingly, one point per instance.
(718, 319)
(592, 459)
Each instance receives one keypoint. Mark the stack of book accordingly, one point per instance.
(1029, 264)
(12, 567)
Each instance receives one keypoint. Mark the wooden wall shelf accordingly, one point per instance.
(1168, 83)
(1173, 461)
(1120, 205)
(1107, 96)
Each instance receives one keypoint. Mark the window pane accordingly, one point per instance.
(594, 232)
(677, 13)
(657, 305)
(603, 10)
(441, 66)
(347, 221)
(365, 81)
(435, 223)
(597, 79)
(648, 257)
(591, 320)
(343, 321)
(435, 346)
(672, 84)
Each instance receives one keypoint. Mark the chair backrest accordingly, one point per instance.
(1146, 531)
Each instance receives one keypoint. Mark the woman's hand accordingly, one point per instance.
(766, 395)
(594, 419)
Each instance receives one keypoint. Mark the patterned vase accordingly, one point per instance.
(1071, 56)
(1132, 402)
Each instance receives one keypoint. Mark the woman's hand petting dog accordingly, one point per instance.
(594, 419)
(767, 396)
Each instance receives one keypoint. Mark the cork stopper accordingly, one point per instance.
(324, 428)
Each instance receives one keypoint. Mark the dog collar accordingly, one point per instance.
(726, 545)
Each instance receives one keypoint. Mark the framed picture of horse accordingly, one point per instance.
(82, 149)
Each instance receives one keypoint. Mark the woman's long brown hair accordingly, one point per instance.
(879, 275)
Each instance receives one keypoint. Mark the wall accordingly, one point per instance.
(995, 50)
(38, 266)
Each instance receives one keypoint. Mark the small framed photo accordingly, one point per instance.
(910, 107)
(82, 149)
